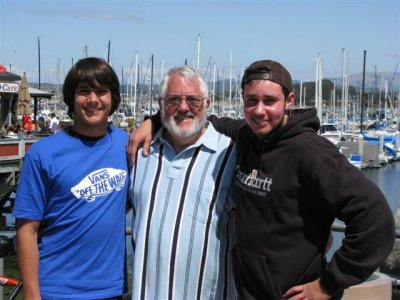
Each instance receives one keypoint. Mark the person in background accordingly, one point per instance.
(71, 198)
(3, 129)
(20, 118)
(182, 228)
(41, 126)
(25, 119)
(20, 131)
(53, 123)
(11, 131)
(29, 126)
(290, 185)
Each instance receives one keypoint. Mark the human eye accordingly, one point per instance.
(251, 101)
(270, 100)
(102, 91)
(82, 91)
(172, 100)
(194, 100)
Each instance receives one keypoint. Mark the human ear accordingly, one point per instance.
(207, 103)
(290, 101)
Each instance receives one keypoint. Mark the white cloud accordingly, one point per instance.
(90, 14)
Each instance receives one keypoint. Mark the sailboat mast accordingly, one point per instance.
(318, 86)
(334, 101)
(162, 68)
(230, 82)
(362, 93)
(58, 97)
(343, 102)
(135, 84)
(123, 106)
(223, 92)
(198, 52)
(39, 59)
(85, 51)
(13, 66)
(301, 94)
(108, 52)
(151, 85)
(213, 87)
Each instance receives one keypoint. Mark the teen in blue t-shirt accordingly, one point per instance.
(73, 190)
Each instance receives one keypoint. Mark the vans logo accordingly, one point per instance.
(99, 183)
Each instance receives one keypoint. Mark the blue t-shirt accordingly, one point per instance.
(78, 190)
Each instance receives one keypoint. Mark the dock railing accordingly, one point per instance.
(15, 149)
(341, 228)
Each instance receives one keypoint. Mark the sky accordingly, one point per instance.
(227, 34)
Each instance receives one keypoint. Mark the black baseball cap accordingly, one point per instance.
(268, 70)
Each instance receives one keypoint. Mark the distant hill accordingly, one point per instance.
(372, 81)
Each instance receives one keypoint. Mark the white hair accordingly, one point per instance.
(189, 74)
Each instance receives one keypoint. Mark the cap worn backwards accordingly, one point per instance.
(268, 70)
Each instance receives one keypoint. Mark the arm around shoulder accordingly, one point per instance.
(227, 126)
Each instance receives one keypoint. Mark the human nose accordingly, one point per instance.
(183, 106)
(259, 109)
(92, 96)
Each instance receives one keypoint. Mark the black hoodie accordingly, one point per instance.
(289, 189)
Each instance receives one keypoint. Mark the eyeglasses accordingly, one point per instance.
(194, 102)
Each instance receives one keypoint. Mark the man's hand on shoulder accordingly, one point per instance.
(138, 137)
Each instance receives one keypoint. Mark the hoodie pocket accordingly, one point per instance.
(252, 277)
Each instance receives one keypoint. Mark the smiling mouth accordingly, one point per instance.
(179, 118)
(260, 121)
(93, 110)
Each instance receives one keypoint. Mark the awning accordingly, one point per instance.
(35, 93)
(6, 76)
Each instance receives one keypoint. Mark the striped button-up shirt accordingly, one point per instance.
(182, 225)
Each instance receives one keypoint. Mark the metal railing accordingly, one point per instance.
(341, 228)
(336, 227)
(11, 234)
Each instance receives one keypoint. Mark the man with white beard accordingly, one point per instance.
(182, 230)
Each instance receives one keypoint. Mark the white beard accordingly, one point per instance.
(175, 130)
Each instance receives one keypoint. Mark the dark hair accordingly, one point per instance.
(91, 72)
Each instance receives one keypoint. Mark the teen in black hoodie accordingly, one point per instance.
(290, 185)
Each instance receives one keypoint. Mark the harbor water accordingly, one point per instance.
(388, 180)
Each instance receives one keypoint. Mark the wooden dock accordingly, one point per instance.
(12, 153)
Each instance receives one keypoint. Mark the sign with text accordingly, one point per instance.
(9, 87)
